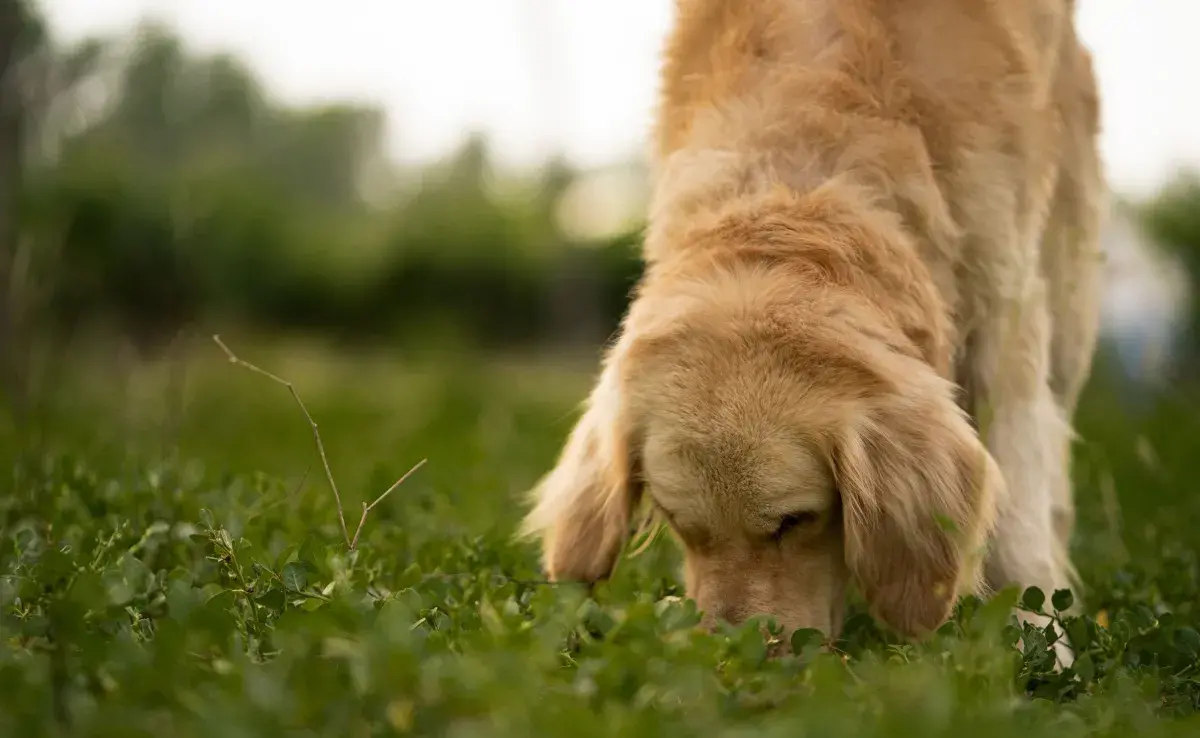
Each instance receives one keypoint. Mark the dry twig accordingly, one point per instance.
(351, 542)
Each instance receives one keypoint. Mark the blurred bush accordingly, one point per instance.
(165, 189)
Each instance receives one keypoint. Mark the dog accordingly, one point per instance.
(869, 305)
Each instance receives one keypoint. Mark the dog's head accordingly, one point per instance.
(789, 450)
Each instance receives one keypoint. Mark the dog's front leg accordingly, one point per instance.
(1008, 365)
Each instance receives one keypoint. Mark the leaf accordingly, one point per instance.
(945, 523)
(181, 599)
(55, 566)
(88, 589)
(1081, 632)
(287, 555)
(34, 626)
(1084, 667)
(996, 612)
(295, 576)
(117, 588)
(596, 619)
(805, 638)
(1033, 600)
(136, 573)
(273, 599)
(1062, 600)
(1187, 641)
(750, 646)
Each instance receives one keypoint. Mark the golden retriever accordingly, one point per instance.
(869, 305)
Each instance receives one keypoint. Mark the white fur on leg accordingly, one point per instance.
(1024, 429)
(1029, 441)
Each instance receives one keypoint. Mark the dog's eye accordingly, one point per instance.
(794, 521)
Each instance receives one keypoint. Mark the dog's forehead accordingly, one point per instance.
(730, 388)
(768, 471)
(732, 425)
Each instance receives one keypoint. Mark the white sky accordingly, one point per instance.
(581, 75)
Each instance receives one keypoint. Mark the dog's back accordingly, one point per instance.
(963, 116)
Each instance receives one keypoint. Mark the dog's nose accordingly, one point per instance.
(732, 614)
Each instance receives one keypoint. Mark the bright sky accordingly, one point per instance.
(581, 76)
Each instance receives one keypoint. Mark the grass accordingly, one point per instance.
(190, 577)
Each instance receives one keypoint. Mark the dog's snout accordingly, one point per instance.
(728, 612)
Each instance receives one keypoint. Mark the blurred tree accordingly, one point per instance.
(152, 111)
(225, 103)
(19, 33)
(1173, 219)
(53, 81)
(168, 188)
(575, 285)
(176, 113)
(319, 156)
(186, 188)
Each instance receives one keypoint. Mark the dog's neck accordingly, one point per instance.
(718, 213)
(777, 130)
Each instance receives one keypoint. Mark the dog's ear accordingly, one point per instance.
(918, 493)
(583, 506)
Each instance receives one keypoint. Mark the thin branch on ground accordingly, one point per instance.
(367, 508)
(351, 541)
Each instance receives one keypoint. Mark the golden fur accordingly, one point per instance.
(869, 305)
